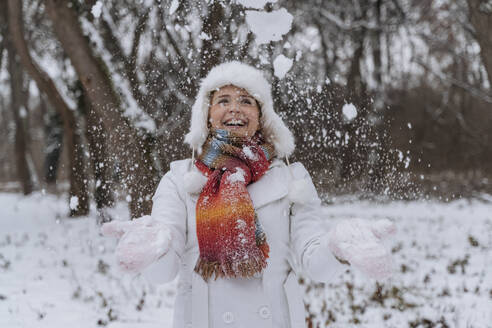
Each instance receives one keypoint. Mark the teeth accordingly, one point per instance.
(235, 122)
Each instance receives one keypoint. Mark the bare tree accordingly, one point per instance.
(101, 163)
(78, 179)
(17, 94)
(480, 13)
(128, 146)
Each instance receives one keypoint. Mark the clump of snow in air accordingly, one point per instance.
(97, 9)
(298, 55)
(400, 155)
(281, 66)
(23, 112)
(269, 26)
(174, 6)
(407, 162)
(237, 176)
(349, 112)
(204, 36)
(256, 4)
(74, 203)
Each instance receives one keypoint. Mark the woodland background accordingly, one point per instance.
(95, 97)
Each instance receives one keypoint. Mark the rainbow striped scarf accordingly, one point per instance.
(230, 238)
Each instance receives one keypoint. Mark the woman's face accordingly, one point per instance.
(234, 109)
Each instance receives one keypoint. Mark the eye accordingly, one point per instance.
(223, 101)
(246, 101)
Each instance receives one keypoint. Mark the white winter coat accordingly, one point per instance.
(273, 299)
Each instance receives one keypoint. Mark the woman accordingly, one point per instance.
(237, 223)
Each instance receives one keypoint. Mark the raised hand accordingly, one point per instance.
(358, 241)
(142, 242)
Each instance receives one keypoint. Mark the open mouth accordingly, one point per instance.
(235, 122)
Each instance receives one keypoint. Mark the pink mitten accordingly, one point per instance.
(359, 242)
(142, 242)
(118, 228)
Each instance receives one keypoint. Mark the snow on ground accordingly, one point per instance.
(59, 272)
(442, 256)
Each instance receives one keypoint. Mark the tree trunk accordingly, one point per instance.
(354, 79)
(100, 160)
(126, 145)
(481, 20)
(79, 200)
(376, 48)
(53, 143)
(16, 83)
(211, 27)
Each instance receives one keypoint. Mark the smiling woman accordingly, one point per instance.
(239, 236)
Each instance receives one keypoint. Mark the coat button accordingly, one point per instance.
(264, 312)
(228, 317)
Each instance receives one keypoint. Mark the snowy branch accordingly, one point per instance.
(463, 85)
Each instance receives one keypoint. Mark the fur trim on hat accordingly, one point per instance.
(252, 80)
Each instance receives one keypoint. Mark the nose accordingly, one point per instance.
(234, 107)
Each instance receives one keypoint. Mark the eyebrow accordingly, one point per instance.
(241, 95)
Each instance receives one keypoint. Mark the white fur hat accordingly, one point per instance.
(252, 80)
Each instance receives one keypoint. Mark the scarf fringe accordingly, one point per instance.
(243, 269)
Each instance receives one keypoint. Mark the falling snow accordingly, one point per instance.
(256, 4)
(349, 112)
(281, 66)
(269, 26)
(74, 203)
(97, 9)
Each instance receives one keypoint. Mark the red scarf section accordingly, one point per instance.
(231, 240)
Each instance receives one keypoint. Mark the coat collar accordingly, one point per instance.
(271, 187)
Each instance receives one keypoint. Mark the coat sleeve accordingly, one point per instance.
(309, 239)
(170, 208)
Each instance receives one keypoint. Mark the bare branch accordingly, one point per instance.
(113, 45)
(245, 46)
(44, 83)
(127, 144)
(451, 80)
(78, 186)
(141, 25)
(345, 26)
